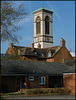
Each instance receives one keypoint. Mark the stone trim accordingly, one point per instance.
(43, 10)
(43, 20)
(43, 41)
(43, 36)
(68, 73)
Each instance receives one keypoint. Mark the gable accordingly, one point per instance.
(62, 55)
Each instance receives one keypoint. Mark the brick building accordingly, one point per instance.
(40, 63)
(49, 54)
(37, 75)
(42, 49)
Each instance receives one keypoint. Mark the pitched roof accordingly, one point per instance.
(12, 67)
(40, 53)
(43, 9)
(18, 47)
(70, 62)
(33, 52)
(54, 48)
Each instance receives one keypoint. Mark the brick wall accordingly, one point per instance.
(50, 60)
(69, 82)
(28, 58)
(35, 83)
(10, 51)
(63, 54)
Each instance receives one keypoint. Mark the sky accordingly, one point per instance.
(63, 23)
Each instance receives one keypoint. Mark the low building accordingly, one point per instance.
(42, 65)
(37, 75)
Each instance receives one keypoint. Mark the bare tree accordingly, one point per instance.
(11, 14)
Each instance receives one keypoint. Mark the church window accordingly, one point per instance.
(47, 25)
(38, 25)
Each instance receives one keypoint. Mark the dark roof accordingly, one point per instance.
(33, 52)
(31, 67)
(72, 69)
(70, 62)
(54, 48)
(40, 53)
(19, 47)
(36, 52)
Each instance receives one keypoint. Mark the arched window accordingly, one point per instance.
(47, 25)
(38, 25)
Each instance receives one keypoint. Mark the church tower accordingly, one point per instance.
(43, 28)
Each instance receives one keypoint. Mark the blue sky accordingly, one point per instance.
(63, 23)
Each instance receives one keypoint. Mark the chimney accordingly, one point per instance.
(11, 45)
(32, 45)
(39, 46)
(62, 42)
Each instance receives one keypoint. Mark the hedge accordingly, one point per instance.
(45, 91)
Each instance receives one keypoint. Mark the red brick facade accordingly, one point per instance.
(62, 55)
(69, 82)
(17, 82)
(35, 83)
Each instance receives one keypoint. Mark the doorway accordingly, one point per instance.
(55, 81)
(18, 84)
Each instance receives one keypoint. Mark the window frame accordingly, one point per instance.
(31, 79)
(41, 80)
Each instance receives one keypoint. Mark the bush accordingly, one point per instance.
(34, 91)
(45, 91)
